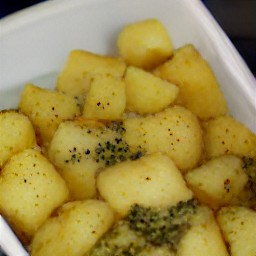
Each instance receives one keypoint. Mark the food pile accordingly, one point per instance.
(130, 155)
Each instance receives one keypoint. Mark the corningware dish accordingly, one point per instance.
(34, 44)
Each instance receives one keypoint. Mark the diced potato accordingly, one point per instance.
(152, 180)
(30, 189)
(105, 99)
(47, 109)
(77, 151)
(145, 44)
(225, 135)
(74, 230)
(82, 66)
(238, 227)
(175, 132)
(199, 89)
(203, 238)
(16, 134)
(218, 181)
(146, 93)
(73, 156)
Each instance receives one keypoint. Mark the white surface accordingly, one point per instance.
(8, 241)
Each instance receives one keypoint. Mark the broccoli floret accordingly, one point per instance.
(146, 229)
(250, 168)
(116, 150)
(162, 227)
(112, 152)
(119, 241)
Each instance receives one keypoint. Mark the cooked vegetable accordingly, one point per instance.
(145, 228)
(144, 44)
(47, 109)
(162, 227)
(146, 93)
(204, 238)
(80, 147)
(218, 181)
(80, 69)
(105, 99)
(227, 136)
(175, 132)
(238, 227)
(152, 181)
(250, 169)
(199, 89)
(30, 190)
(74, 230)
(16, 134)
(119, 241)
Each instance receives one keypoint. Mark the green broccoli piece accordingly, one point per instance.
(119, 241)
(112, 152)
(162, 227)
(116, 150)
(146, 229)
(250, 168)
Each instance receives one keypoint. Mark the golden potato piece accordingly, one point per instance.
(82, 66)
(225, 135)
(73, 156)
(175, 132)
(218, 181)
(152, 180)
(47, 109)
(74, 230)
(145, 44)
(105, 99)
(16, 134)
(30, 189)
(204, 237)
(238, 227)
(146, 93)
(199, 89)
(79, 148)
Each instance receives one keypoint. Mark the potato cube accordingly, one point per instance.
(199, 89)
(30, 189)
(74, 230)
(225, 135)
(152, 180)
(204, 237)
(175, 132)
(238, 227)
(79, 148)
(146, 93)
(82, 66)
(47, 109)
(145, 44)
(16, 134)
(73, 156)
(105, 99)
(218, 181)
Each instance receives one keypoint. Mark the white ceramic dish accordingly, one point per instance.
(9, 242)
(34, 44)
